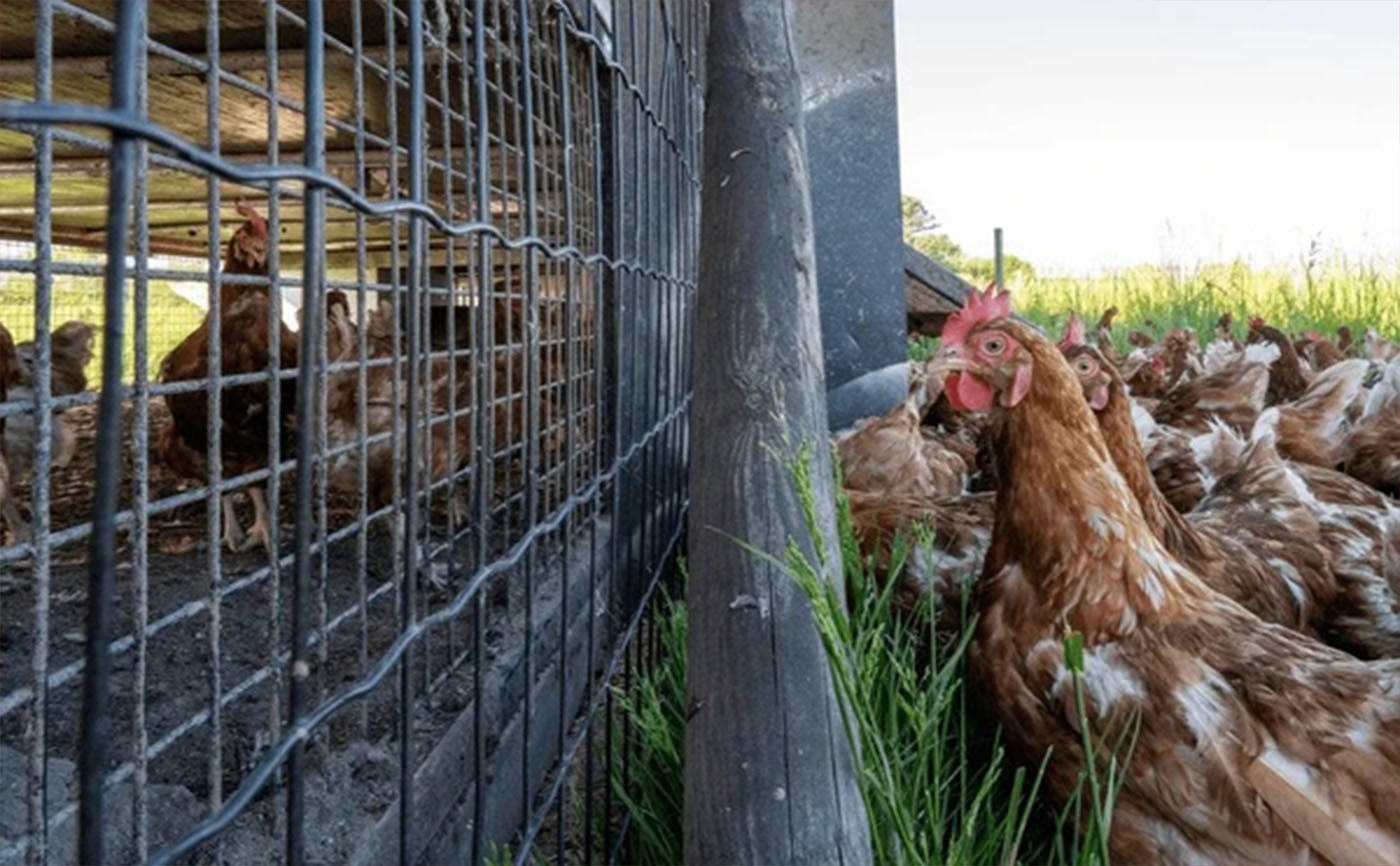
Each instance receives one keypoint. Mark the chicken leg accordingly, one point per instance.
(233, 539)
(260, 533)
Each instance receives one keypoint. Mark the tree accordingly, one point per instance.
(921, 232)
(1014, 268)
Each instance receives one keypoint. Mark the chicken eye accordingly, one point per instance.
(994, 345)
(1084, 366)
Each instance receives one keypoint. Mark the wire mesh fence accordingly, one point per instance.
(339, 549)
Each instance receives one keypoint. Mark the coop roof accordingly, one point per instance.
(178, 97)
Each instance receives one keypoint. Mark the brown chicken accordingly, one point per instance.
(1256, 743)
(1287, 377)
(1262, 554)
(1311, 428)
(1234, 394)
(942, 564)
(1223, 348)
(244, 410)
(1372, 448)
(1319, 351)
(1345, 342)
(70, 351)
(892, 454)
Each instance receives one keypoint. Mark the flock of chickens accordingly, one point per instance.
(1217, 524)
(248, 413)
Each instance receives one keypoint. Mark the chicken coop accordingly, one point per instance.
(344, 390)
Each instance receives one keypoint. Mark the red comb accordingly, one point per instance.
(1158, 365)
(1313, 335)
(1256, 321)
(1074, 333)
(247, 212)
(984, 306)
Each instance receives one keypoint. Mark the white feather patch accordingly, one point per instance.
(1261, 353)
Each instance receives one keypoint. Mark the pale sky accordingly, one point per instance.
(1115, 132)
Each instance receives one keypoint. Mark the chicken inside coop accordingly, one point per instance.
(70, 352)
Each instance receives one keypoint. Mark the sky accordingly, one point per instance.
(1106, 133)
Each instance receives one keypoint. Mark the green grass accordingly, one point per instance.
(938, 788)
(1317, 294)
(170, 317)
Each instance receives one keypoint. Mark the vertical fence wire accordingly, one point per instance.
(219, 521)
(37, 775)
(416, 285)
(314, 210)
(140, 468)
(93, 750)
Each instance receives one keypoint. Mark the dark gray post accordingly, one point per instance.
(846, 56)
(769, 772)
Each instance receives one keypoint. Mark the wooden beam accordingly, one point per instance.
(769, 772)
(96, 165)
(247, 60)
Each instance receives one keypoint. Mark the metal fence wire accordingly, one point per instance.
(344, 385)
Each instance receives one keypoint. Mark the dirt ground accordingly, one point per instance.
(354, 771)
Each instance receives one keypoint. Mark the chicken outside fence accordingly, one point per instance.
(1254, 743)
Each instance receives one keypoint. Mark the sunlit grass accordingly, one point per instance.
(170, 317)
(1318, 294)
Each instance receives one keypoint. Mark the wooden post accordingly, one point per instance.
(769, 772)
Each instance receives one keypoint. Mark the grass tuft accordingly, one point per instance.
(938, 787)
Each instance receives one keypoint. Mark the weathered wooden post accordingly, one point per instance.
(769, 772)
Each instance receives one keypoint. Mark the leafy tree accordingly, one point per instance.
(921, 232)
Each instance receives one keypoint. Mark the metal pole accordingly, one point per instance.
(313, 287)
(417, 253)
(102, 574)
(996, 258)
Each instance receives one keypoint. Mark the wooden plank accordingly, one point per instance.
(770, 776)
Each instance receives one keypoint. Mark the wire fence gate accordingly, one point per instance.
(407, 282)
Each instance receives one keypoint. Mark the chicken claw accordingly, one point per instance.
(260, 533)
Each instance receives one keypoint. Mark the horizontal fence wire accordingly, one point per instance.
(473, 230)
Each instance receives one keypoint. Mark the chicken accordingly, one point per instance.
(70, 351)
(1344, 341)
(894, 455)
(1261, 553)
(1256, 743)
(1378, 348)
(942, 564)
(1372, 449)
(1103, 335)
(1360, 534)
(1310, 429)
(1179, 350)
(1180, 462)
(244, 411)
(1146, 374)
(1223, 348)
(1287, 377)
(1234, 394)
(1320, 352)
(1140, 340)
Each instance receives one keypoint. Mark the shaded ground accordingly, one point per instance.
(353, 761)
